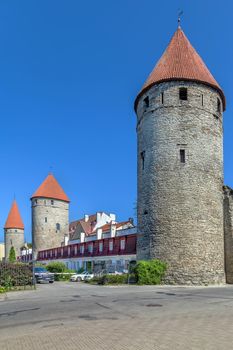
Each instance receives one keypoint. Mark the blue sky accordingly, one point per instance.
(69, 74)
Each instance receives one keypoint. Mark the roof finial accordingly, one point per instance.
(180, 13)
(50, 170)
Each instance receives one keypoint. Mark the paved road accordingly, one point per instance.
(80, 316)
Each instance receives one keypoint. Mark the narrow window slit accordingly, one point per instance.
(162, 98)
(146, 102)
(143, 159)
(182, 155)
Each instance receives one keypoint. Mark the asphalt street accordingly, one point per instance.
(80, 316)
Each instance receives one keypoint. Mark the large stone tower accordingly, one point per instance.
(14, 231)
(180, 167)
(50, 215)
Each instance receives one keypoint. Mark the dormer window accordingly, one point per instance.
(183, 94)
(146, 102)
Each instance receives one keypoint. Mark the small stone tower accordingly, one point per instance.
(180, 167)
(50, 215)
(14, 231)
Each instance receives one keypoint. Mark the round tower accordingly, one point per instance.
(14, 231)
(180, 167)
(50, 215)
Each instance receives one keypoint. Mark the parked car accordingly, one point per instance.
(83, 276)
(42, 275)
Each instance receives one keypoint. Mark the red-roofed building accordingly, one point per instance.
(50, 215)
(97, 242)
(14, 231)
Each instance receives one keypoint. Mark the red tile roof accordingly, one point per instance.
(180, 61)
(14, 219)
(107, 227)
(50, 188)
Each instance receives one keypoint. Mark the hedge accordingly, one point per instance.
(110, 279)
(14, 275)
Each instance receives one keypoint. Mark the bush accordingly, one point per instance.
(62, 276)
(110, 279)
(3, 290)
(13, 275)
(150, 271)
(56, 267)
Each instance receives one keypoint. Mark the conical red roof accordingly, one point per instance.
(180, 61)
(50, 188)
(14, 219)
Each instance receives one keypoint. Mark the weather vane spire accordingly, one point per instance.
(180, 13)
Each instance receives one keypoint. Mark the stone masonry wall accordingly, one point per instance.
(228, 232)
(13, 238)
(180, 205)
(46, 214)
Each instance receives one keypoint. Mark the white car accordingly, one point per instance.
(78, 277)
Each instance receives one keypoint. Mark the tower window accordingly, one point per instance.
(218, 105)
(182, 155)
(183, 94)
(45, 219)
(52, 202)
(143, 159)
(146, 102)
(202, 100)
(58, 227)
(162, 97)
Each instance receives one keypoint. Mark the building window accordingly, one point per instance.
(45, 220)
(52, 202)
(111, 245)
(81, 249)
(90, 248)
(202, 100)
(218, 105)
(182, 155)
(183, 93)
(58, 227)
(142, 154)
(146, 102)
(44, 202)
(35, 202)
(162, 97)
(100, 247)
(15, 230)
(122, 244)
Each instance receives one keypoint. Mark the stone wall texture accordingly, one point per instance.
(180, 205)
(13, 238)
(46, 214)
(228, 232)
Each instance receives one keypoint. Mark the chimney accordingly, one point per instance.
(113, 230)
(86, 217)
(99, 233)
(82, 237)
(98, 218)
(66, 240)
(113, 217)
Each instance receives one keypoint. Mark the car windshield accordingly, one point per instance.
(40, 269)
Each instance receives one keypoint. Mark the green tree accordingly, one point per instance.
(12, 256)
